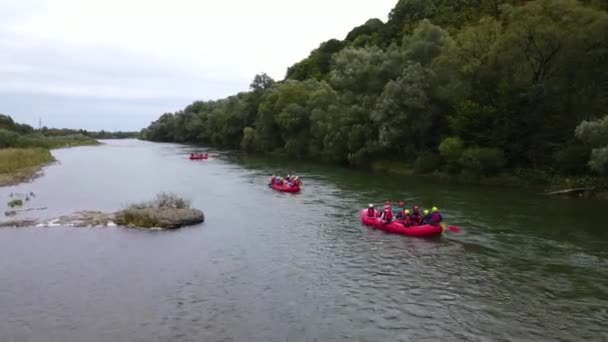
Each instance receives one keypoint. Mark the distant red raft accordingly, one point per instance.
(286, 188)
(398, 228)
(199, 156)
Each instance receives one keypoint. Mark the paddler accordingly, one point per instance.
(407, 219)
(416, 216)
(387, 215)
(435, 218)
(371, 211)
(398, 211)
(426, 217)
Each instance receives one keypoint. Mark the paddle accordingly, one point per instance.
(453, 229)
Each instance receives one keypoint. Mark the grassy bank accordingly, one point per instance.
(51, 142)
(543, 180)
(23, 156)
(22, 164)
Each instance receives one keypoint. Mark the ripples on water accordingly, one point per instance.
(268, 266)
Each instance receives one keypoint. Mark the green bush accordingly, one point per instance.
(32, 140)
(533, 176)
(15, 203)
(144, 214)
(427, 163)
(599, 160)
(450, 150)
(572, 159)
(482, 160)
(163, 200)
(8, 138)
(248, 142)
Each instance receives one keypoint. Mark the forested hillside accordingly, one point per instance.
(474, 86)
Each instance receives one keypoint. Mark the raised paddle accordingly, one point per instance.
(453, 229)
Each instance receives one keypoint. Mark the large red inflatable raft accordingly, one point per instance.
(398, 228)
(285, 188)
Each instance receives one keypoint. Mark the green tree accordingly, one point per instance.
(595, 133)
(482, 161)
(451, 150)
(406, 114)
(317, 65)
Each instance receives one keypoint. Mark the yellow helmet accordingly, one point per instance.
(435, 209)
(407, 211)
(426, 211)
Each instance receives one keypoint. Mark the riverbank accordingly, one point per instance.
(18, 165)
(539, 180)
(22, 164)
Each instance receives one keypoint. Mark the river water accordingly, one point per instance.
(267, 266)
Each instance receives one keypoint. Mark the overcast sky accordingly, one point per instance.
(119, 64)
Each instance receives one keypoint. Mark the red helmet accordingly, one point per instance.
(401, 204)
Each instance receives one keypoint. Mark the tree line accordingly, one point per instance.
(13, 134)
(474, 86)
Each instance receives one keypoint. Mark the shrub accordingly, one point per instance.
(144, 214)
(450, 150)
(427, 163)
(599, 160)
(482, 161)
(162, 201)
(32, 140)
(572, 159)
(249, 139)
(15, 203)
(8, 138)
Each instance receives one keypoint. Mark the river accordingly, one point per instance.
(268, 266)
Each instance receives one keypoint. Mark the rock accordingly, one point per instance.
(168, 218)
(17, 223)
(86, 218)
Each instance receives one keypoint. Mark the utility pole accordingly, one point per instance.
(39, 123)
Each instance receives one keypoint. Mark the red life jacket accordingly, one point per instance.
(388, 214)
(436, 218)
(371, 212)
(407, 221)
(416, 217)
(272, 179)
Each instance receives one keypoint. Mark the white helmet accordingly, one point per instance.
(371, 205)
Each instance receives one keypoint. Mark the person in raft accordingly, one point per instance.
(387, 215)
(371, 211)
(416, 216)
(398, 211)
(426, 217)
(297, 180)
(435, 217)
(273, 179)
(407, 219)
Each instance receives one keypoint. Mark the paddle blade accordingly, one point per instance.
(454, 229)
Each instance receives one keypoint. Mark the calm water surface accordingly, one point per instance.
(267, 266)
